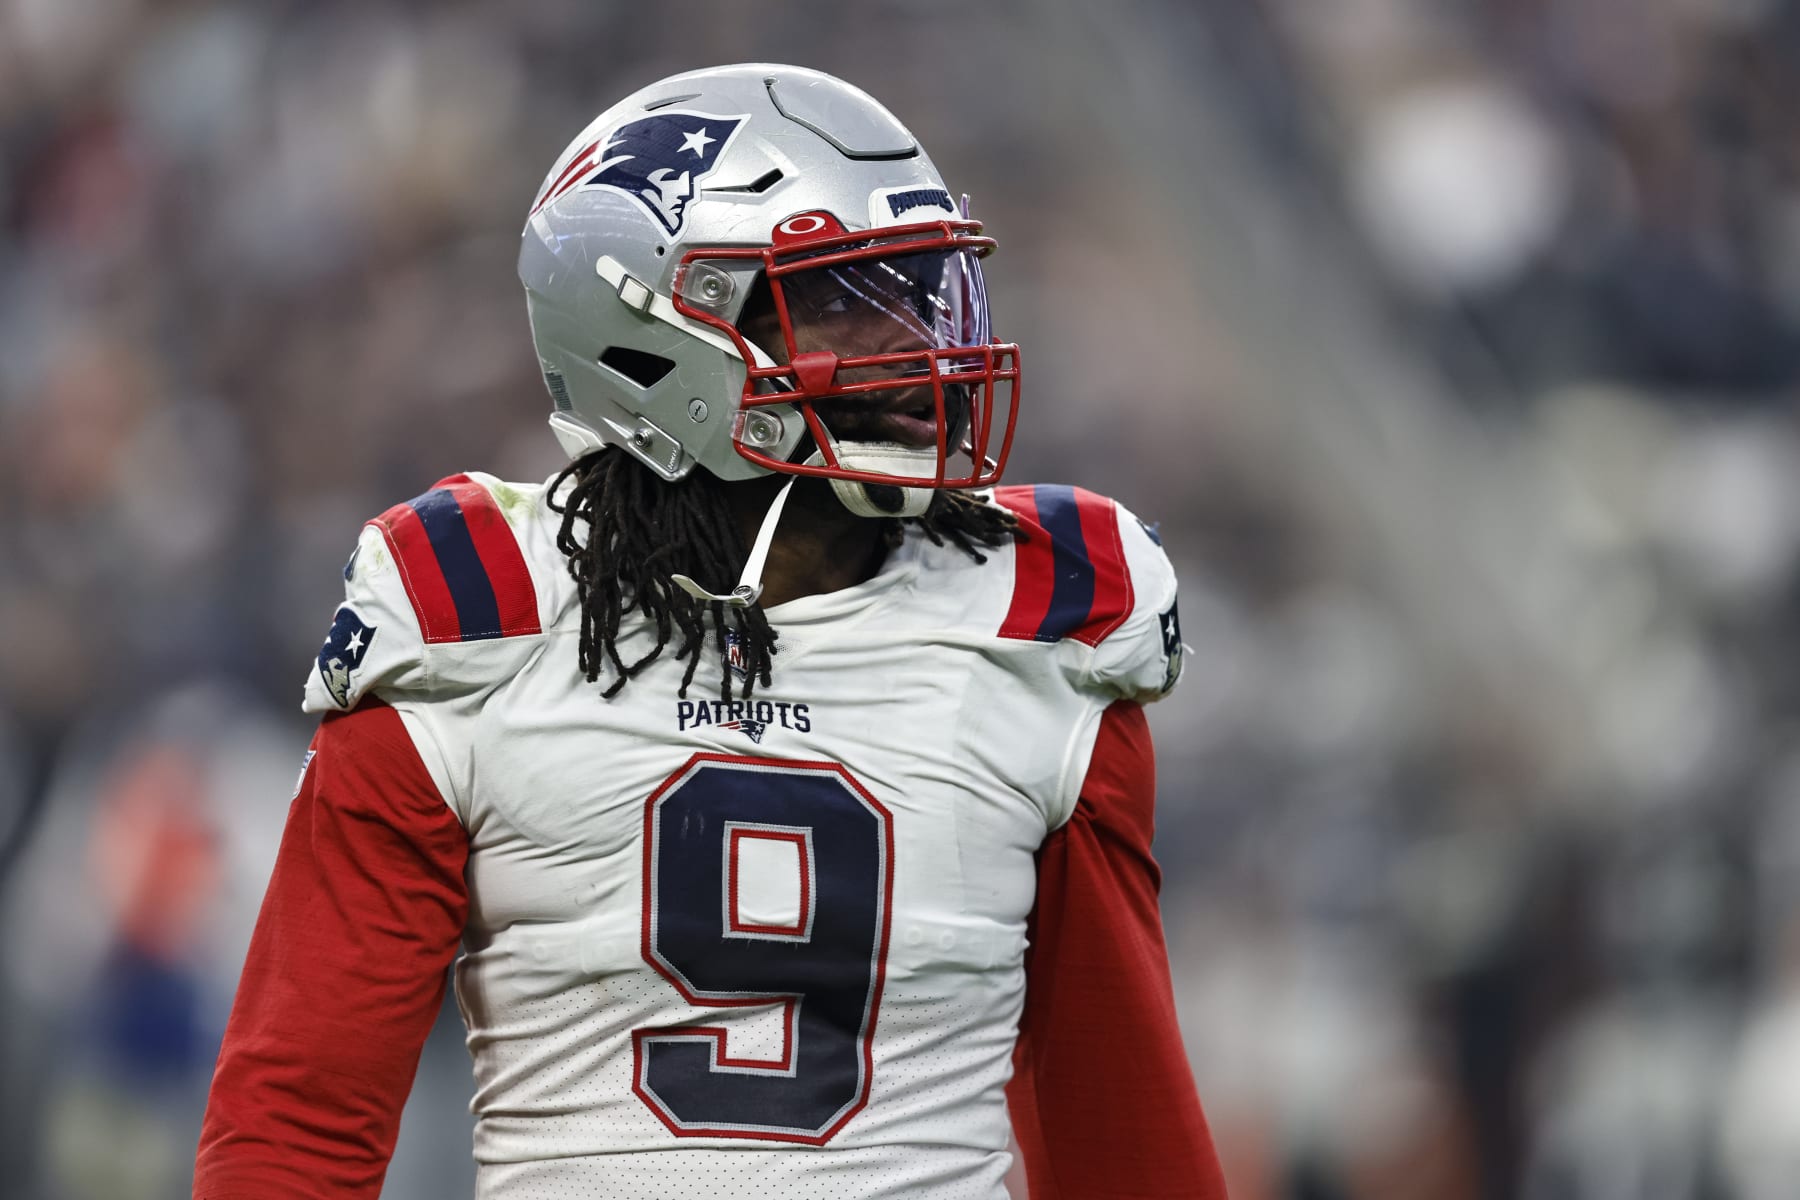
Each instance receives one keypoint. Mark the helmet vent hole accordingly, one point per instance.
(645, 370)
(755, 187)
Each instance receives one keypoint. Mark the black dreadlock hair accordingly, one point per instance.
(641, 529)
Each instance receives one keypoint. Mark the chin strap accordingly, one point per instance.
(749, 587)
(891, 458)
(863, 499)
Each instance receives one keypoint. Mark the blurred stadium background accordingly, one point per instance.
(1454, 345)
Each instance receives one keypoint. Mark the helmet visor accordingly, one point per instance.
(925, 300)
(878, 338)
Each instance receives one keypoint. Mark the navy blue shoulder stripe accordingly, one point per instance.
(1070, 578)
(461, 563)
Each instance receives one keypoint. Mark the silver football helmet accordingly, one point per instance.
(756, 269)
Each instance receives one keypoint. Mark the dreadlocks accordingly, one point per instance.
(640, 530)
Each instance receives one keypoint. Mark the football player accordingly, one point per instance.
(784, 784)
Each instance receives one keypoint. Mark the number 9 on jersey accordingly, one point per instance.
(822, 959)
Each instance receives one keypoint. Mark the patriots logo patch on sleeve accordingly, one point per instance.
(1172, 648)
(343, 652)
(656, 160)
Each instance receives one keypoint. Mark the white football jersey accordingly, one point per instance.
(750, 948)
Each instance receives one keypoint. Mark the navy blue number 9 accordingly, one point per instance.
(823, 964)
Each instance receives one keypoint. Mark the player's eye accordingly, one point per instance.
(827, 297)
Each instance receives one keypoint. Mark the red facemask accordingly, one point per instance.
(883, 338)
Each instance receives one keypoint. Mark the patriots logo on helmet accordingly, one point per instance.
(344, 649)
(659, 160)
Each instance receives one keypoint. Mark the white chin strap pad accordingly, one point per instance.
(889, 458)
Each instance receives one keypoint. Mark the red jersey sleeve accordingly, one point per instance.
(1103, 1104)
(344, 977)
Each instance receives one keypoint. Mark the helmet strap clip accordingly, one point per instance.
(749, 586)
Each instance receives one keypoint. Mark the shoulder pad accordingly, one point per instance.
(445, 567)
(1091, 573)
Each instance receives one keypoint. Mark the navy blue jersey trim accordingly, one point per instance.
(1072, 594)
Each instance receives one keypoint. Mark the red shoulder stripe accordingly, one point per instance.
(419, 571)
(461, 564)
(1034, 578)
(1112, 578)
(498, 546)
(1070, 579)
